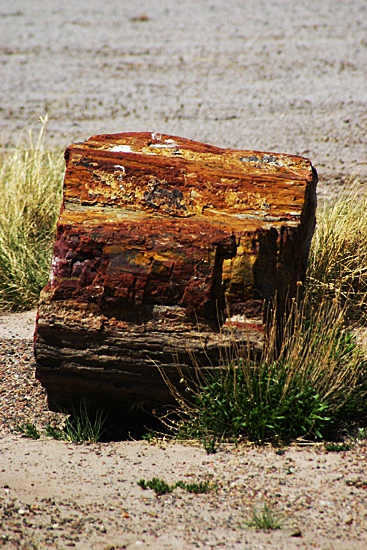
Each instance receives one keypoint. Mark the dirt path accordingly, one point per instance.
(17, 325)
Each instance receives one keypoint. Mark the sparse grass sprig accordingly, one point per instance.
(265, 519)
(80, 427)
(362, 433)
(337, 447)
(56, 433)
(28, 429)
(161, 487)
(30, 200)
(210, 444)
(196, 488)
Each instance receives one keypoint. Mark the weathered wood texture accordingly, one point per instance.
(156, 234)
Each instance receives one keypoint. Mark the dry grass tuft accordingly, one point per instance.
(30, 199)
(314, 386)
(338, 256)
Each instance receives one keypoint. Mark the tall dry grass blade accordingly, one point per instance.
(30, 199)
(338, 255)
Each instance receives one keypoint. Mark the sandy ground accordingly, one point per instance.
(55, 495)
(17, 325)
(270, 75)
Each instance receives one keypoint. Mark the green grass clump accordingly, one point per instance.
(362, 433)
(265, 519)
(161, 487)
(196, 488)
(28, 429)
(337, 447)
(210, 444)
(256, 408)
(80, 427)
(314, 387)
(56, 433)
(30, 199)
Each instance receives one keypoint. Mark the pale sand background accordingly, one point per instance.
(278, 75)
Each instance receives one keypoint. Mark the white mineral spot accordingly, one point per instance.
(121, 149)
(54, 263)
(168, 143)
(120, 167)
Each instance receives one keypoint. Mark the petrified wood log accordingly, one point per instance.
(157, 239)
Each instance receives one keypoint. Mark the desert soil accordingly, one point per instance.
(54, 494)
(279, 76)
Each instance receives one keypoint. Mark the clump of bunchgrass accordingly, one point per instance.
(80, 427)
(56, 433)
(312, 387)
(210, 444)
(161, 487)
(337, 447)
(338, 255)
(196, 488)
(30, 200)
(28, 429)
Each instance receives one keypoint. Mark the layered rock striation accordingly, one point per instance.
(160, 241)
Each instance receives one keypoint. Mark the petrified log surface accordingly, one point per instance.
(156, 235)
